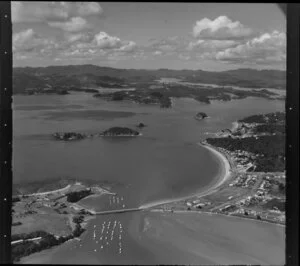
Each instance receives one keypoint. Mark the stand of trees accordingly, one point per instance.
(270, 129)
(26, 247)
(271, 147)
(271, 118)
(119, 131)
(78, 195)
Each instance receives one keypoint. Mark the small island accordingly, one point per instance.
(141, 125)
(111, 132)
(68, 136)
(200, 116)
(119, 131)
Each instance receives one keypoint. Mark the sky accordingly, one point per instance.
(206, 36)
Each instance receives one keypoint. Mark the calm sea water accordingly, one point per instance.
(163, 163)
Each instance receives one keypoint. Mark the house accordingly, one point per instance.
(200, 205)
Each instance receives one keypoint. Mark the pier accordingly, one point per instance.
(118, 211)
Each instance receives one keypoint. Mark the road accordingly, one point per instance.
(22, 240)
(250, 192)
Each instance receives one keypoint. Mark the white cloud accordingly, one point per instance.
(100, 44)
(220, 28)
(167, 45)
(75, 24)
(128, 47)
(29, 41)
(104, 41)
(37, 11)
(157, 53)
(52, 11)
(88, 8)
(211, 45)
(75, 37)
(266, 49)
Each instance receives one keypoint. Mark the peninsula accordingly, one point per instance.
(45, 219)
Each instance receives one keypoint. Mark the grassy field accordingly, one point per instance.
(56, 224)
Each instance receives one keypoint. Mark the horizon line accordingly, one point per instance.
(151, 69)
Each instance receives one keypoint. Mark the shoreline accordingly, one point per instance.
(218, 214)
(219, 180)
(47, 192)
(229, 168)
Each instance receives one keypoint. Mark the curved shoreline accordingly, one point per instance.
(218, 181)
(48, 192)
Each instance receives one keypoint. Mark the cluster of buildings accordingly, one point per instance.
(261, 200)
(253, 200)
(197, 204)
(245, 181)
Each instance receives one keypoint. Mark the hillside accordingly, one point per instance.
(89, 76)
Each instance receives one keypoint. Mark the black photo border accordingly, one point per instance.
(292, 12)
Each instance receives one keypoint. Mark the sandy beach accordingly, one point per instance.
(219, 180)
(194, 238)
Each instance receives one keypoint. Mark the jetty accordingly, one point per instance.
(118, 211)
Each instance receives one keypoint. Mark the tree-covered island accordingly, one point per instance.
(200, 116)
(119, 131)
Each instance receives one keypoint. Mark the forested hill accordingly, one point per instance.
(91, 76)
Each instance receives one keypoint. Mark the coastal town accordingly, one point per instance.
(246, 193)
(44, 219)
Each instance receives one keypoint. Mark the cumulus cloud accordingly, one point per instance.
(88, 8)
(220, 28)
(128, 47)
(100, 44)
(74, 45)
(75, 24)
(103, 41)
(52, 11)
(29, 41)
(76, 37)
(211, 45)
(266, 49)
(166, 45)
(37, 11)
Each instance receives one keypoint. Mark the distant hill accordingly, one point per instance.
(87, 76)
